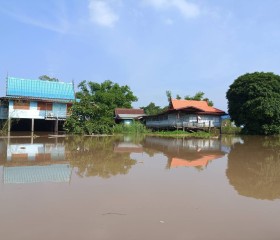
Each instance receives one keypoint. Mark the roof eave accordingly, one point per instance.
(38, 99)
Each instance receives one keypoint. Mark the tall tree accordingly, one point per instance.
(254, 103)
(178, 97)
(47, 78)
(152, 109)
(199, 96)
(168, 95)
(94, 112)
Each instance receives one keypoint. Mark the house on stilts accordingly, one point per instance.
(186, 115)
(36, 105)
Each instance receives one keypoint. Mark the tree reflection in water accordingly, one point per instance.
(254, 167)
(95, 156)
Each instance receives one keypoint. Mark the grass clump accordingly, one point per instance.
(135, 127)
(229, 127)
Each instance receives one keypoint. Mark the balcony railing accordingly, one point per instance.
(56, 115)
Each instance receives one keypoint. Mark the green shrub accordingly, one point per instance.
(135, 127)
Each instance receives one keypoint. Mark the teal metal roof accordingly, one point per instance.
(18, 87)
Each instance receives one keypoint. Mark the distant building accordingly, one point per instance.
(127, 115)
(186, 114)
(38, 105)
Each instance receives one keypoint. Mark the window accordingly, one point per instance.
(44, 106)
(21, 104)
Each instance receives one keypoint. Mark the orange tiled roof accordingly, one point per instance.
(201, 105)
(203, 161)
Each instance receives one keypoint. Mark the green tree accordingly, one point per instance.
(47, 78)
(254, 103)
(94, 112)
(168, 95)
(152, 109)
(199, 96)
(178, 97)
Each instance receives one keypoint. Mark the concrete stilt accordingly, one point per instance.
(32, 125)
(56, 126)
(9, 125)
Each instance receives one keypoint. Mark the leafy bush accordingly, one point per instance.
(135, 127)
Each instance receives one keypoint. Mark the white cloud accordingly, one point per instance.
(186, 8)
(101, 13)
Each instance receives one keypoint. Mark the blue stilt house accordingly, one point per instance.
(36, 105)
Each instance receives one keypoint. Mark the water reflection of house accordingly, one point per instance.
(37, 162)
(187, 152)
(201, 161)
(128, 147)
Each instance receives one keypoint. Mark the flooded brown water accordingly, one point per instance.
(139, 188)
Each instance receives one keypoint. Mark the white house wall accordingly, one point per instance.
(58, 110)
(32, 112)
(179, 120)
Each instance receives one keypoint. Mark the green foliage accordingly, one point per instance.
(229, 128)
(94, 113)
(47, 78)
(135, 127)
(178, 97)
(254, 103)
(152, 109)
(168, 95)
(199, 97)
(181, 133)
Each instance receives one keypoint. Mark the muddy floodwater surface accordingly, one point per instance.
(139, 187)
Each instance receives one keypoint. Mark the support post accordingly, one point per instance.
(9, 125)
(32, 126)
(56, 126)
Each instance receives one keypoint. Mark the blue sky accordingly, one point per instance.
(184, 46)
